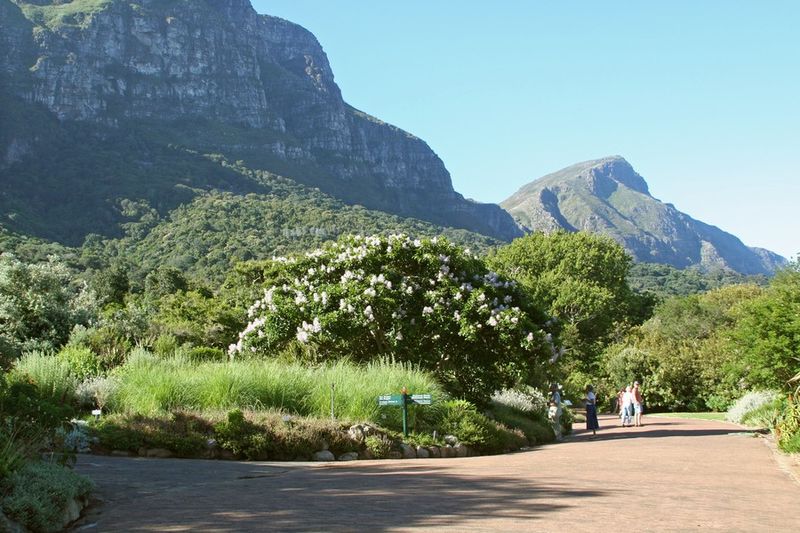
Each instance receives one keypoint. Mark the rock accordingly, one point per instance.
(160, 453)
(72, 511)
(349, 456)
(121, 453)
(323, 455)
(447, 451)
(452, 440)
(423, 453)
(142, 452)
(366, 454)
(434, 451)
(408, 451)
(461, 450)
(394, 454)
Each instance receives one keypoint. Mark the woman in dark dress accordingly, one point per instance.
(591, 410)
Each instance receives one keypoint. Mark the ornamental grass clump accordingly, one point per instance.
(149, 385)
(427, 302)
(53, 377)
(748, 403)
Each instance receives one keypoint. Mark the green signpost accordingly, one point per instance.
(403, 400)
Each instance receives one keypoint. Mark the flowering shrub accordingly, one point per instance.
(427, 302)
(525, 400)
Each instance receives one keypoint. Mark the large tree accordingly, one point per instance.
(426, 302)
(580, 278)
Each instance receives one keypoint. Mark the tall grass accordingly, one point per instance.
(53, 376)
(149, 385)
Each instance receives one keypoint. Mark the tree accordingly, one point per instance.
(767, 335)
(39, 304)
(580, 279)
(426, 302)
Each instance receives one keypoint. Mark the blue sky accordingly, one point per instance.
(703, 98)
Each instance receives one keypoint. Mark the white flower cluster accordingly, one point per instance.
(334, 282)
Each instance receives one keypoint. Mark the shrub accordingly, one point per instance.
(536, 428)
(766, 415)
(184, 434)
(750, 402)
(461, 419)
(204, 353)
(524, 400)
(81, 360)
(165, 345)
(96, 391)
(788, 428)
(39, 492)
(427, 302)
(379, 446)
(241, 436)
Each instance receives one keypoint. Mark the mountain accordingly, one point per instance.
(607, 196)
(109, 104)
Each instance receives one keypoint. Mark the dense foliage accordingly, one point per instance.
(580, 279)
(422, 301)
(38, 306)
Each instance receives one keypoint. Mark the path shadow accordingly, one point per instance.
(380, 497)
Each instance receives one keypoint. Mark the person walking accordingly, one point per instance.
(638, 404)
(626, 413)
(591, 410)
(554, 412)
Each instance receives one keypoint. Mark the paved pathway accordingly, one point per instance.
(670, 475)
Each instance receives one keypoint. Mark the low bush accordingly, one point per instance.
(748, 403)
(379, 446)
(201, 354)
(536, 428)
(766, 415)
(183, 434)
(38, 494)
(525, 400)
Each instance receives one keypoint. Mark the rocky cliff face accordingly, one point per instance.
(110, 62)
(608, 196)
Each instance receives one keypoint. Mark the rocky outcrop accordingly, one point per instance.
(607, 196)
(268, 80)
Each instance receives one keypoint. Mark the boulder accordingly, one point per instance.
(366, 454)
(452, 440)
(394, 454)
(349, 456)
(434, 451)
(408, 451)
(460, 450)
(423, 453)
(323, 455)
(160, 453)
(447, 451)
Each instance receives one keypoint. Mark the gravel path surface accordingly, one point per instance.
(670, 475)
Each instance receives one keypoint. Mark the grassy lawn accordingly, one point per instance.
(700, 416)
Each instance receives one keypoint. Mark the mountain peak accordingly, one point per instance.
(608, 196)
